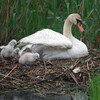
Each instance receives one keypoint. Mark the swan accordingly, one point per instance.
(53, 45)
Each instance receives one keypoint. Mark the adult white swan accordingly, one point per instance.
(53, 45)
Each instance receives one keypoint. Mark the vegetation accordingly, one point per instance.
(94, 89)
(19, 18)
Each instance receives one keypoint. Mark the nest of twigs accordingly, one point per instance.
(46, 76)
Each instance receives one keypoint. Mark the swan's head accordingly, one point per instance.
(76, 19)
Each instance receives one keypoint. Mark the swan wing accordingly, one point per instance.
(47, 38)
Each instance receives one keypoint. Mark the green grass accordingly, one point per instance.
(19, 18)
(94, 88)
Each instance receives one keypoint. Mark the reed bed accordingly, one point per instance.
(19, 18)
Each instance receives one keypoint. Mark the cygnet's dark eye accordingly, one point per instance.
(79, 21)
(27, 50)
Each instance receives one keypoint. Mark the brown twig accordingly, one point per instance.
(89, 76)
(11, 77)
(45, 69)
(87, 66)
(74, 78)
(70, 95)
(9, 73)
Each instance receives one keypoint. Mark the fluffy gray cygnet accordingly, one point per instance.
(28, 58)
(15, 53)
(1, 47)
(7, 50)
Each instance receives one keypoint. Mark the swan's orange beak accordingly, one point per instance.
(80, 27)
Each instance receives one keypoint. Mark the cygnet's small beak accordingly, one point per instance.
(80, 27)
(15, 45)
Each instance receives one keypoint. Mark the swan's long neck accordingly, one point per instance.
(67, 28)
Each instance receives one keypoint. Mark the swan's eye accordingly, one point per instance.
(79, 21)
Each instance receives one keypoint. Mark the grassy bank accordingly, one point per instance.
(19, 18)
(94, 88)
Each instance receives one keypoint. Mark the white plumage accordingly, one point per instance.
(23, 49)
(28, 58)
(47, 37)
(1, 47)
(54, 45)
(7, 50)
(15, 53)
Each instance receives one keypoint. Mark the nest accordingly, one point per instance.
(49, 76)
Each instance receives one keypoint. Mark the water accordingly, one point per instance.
(29, 95)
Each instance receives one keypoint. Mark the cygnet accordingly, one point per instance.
(1, 47)
(25, 49)
(7, 50)
(28, 58)
(15, 53)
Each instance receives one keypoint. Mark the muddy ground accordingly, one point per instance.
(50, 77)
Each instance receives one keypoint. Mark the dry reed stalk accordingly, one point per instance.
(9, 73)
